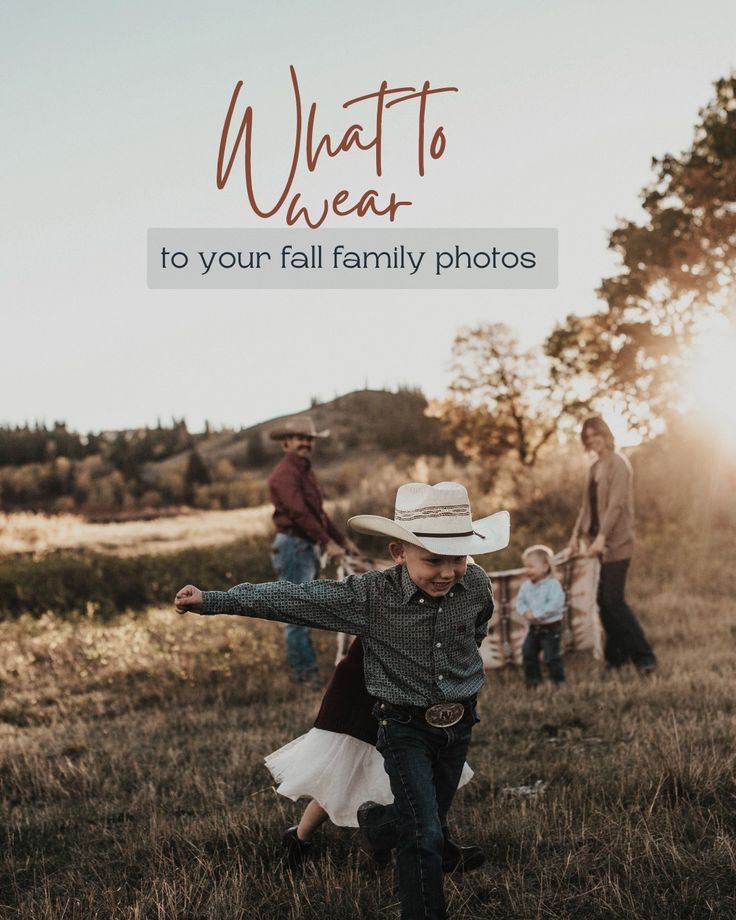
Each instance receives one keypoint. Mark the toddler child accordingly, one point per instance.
(541, 601)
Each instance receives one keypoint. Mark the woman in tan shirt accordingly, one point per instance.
(606, 523)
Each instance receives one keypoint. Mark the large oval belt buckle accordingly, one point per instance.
(443, 715)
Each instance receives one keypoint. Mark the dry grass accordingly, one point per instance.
(133, 785)
(41, 533)
(131, 775)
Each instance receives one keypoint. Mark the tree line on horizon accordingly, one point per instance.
(127, 473)
(55, 469)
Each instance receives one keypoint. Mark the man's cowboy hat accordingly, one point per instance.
(438, 519)
(298, 425)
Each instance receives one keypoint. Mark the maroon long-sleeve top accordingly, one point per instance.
(297, 502)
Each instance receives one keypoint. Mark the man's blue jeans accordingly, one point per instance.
(424, 766)
(296, 559)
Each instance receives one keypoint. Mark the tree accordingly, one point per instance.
(255, 452)
(677, 271)
(504, 399)
(196, 474)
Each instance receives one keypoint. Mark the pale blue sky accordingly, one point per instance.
(111, 117)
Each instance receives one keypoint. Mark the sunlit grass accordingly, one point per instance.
(131, 777)
(133, 783)
(41, 533)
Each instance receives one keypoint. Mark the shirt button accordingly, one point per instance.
(439, 610)
(439, 645)
(421, 600)
(451, 594)
(440, 677)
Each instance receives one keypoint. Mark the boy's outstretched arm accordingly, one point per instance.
(341, 606)
(188, 600)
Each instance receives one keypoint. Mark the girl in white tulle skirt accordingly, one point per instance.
(335, 763)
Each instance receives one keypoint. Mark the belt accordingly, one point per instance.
(537, 626)
(439, 715)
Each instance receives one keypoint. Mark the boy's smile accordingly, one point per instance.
(435, 575)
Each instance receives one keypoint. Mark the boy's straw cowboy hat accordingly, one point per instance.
(298, 425)
(438, 519)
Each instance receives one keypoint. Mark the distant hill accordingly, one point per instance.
(143, 471)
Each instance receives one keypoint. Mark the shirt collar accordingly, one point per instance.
(408, 588)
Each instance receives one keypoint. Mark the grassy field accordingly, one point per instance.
(42, 533)
(133, 786)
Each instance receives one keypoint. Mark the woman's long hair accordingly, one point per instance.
(595, 423)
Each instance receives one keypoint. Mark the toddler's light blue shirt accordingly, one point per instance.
(544, 598)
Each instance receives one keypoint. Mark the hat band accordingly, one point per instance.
(467, 533)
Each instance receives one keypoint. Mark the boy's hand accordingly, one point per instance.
(598, 545)
(528, 616)
(189, 600)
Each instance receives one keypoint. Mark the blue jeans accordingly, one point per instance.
(423, 766)
(546, 641)
(296, 559)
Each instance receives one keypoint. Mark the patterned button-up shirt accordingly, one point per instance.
(419, 650)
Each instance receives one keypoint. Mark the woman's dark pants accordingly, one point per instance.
(625, 639)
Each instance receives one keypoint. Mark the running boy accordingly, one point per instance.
(421, 623)
(541, 601)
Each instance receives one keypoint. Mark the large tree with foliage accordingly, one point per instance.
(677, 270)
(504, 399)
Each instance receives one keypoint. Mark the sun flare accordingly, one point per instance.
(710, 381)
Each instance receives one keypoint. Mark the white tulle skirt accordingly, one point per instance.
(337, 770)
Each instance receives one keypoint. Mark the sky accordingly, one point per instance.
(111, 120)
